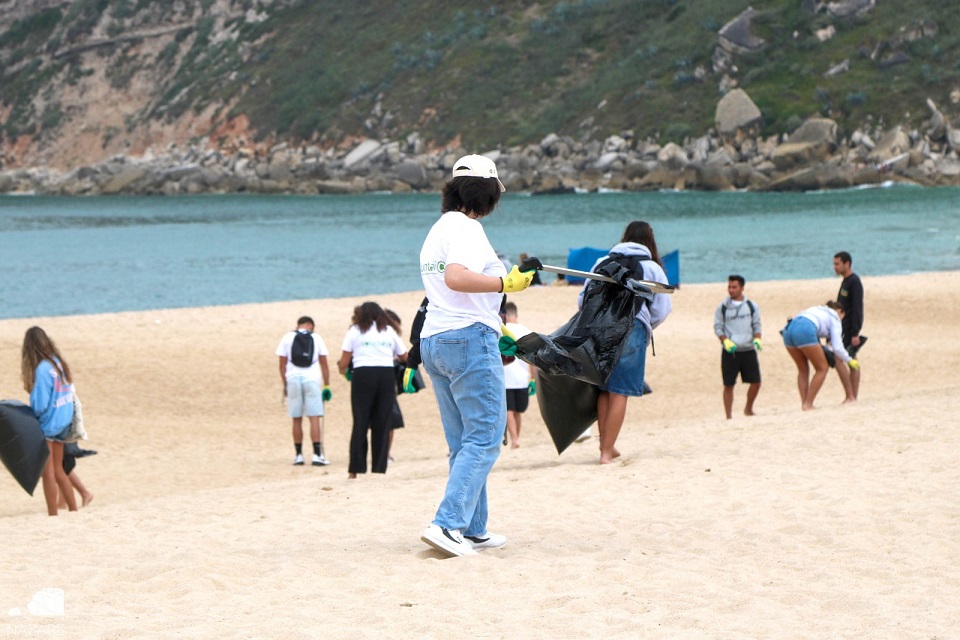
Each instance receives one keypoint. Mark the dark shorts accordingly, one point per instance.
(518, 400)
(742, 363)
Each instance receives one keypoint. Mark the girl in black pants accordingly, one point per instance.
(372, 344)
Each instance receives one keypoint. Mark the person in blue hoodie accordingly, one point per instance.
(46, 377)
(637, 251)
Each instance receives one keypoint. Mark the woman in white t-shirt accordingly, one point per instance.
(372, 344)
(465, 282)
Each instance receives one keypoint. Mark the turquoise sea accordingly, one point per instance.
(63, 256)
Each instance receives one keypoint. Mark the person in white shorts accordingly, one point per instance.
(301, 387)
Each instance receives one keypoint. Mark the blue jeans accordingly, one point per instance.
(467, 376)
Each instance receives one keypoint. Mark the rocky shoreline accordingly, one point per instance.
(730, 157)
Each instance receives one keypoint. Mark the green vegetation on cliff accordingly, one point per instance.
(495, 73)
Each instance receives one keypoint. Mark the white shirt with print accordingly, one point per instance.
(373, 348)
(457, 239)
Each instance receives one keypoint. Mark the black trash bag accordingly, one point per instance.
(589, 345)
(23, 449)
(568, 407)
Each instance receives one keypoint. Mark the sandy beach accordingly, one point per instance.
(842, 522)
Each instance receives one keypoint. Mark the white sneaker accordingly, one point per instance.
(320, 460)
(447, 541)
(487, 541)
(298, 460)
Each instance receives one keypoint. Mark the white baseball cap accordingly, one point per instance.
(475, 166)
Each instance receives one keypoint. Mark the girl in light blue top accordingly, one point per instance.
(46, 377)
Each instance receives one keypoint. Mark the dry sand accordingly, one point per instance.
(838, 523)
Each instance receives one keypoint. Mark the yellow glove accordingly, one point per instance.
(854, 364)
(408, 374)
(757, 345)
(507, 342)
(729, 346)
(516, 280)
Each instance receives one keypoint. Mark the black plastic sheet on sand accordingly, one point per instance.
(23, 449)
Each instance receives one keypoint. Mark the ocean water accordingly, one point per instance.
(64, 256)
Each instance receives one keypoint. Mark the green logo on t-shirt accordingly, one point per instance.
(432, 267)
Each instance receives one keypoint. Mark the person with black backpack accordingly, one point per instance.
(736, 324)
(303, 366)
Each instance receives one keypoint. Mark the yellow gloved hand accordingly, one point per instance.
(757, 345)
(516, 280)
(507, 342)
(408, 374)
(729, 346)
(854, 364)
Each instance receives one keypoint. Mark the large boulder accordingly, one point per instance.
(893, 143)
(412, 173)
(363, 151)
(953, 138)
(672, 156)
(737, 37)
(812, 142)
(737, 112)
(845, 8)
(122, 180)
(819, 131)
(937, 126)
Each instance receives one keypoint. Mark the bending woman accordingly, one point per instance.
(46, 377)
(372, 343)
(802, 336)
(638, 251)
(465, 282)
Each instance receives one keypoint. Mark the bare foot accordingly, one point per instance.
(808, 407)
(351, 476)
(606, 460)
(849, 401)
(616, 453)
(515, 445)
(87, 498)
(748, 412)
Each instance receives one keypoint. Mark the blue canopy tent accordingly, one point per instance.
(584, 258)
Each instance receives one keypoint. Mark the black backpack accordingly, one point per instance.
(301, 351)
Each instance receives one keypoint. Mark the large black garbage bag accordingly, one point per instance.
(589, 345)
(568, 407)
(23, 449)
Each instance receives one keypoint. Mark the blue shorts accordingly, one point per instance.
(799, 333)
(59, 437)
(627, 376)
(304, 397)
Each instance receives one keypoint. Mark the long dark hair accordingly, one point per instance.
(468, 194)
(368, 314)
(37, 347)
(393, 319)
(642, 233)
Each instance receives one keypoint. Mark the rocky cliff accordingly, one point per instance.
(102, 96)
